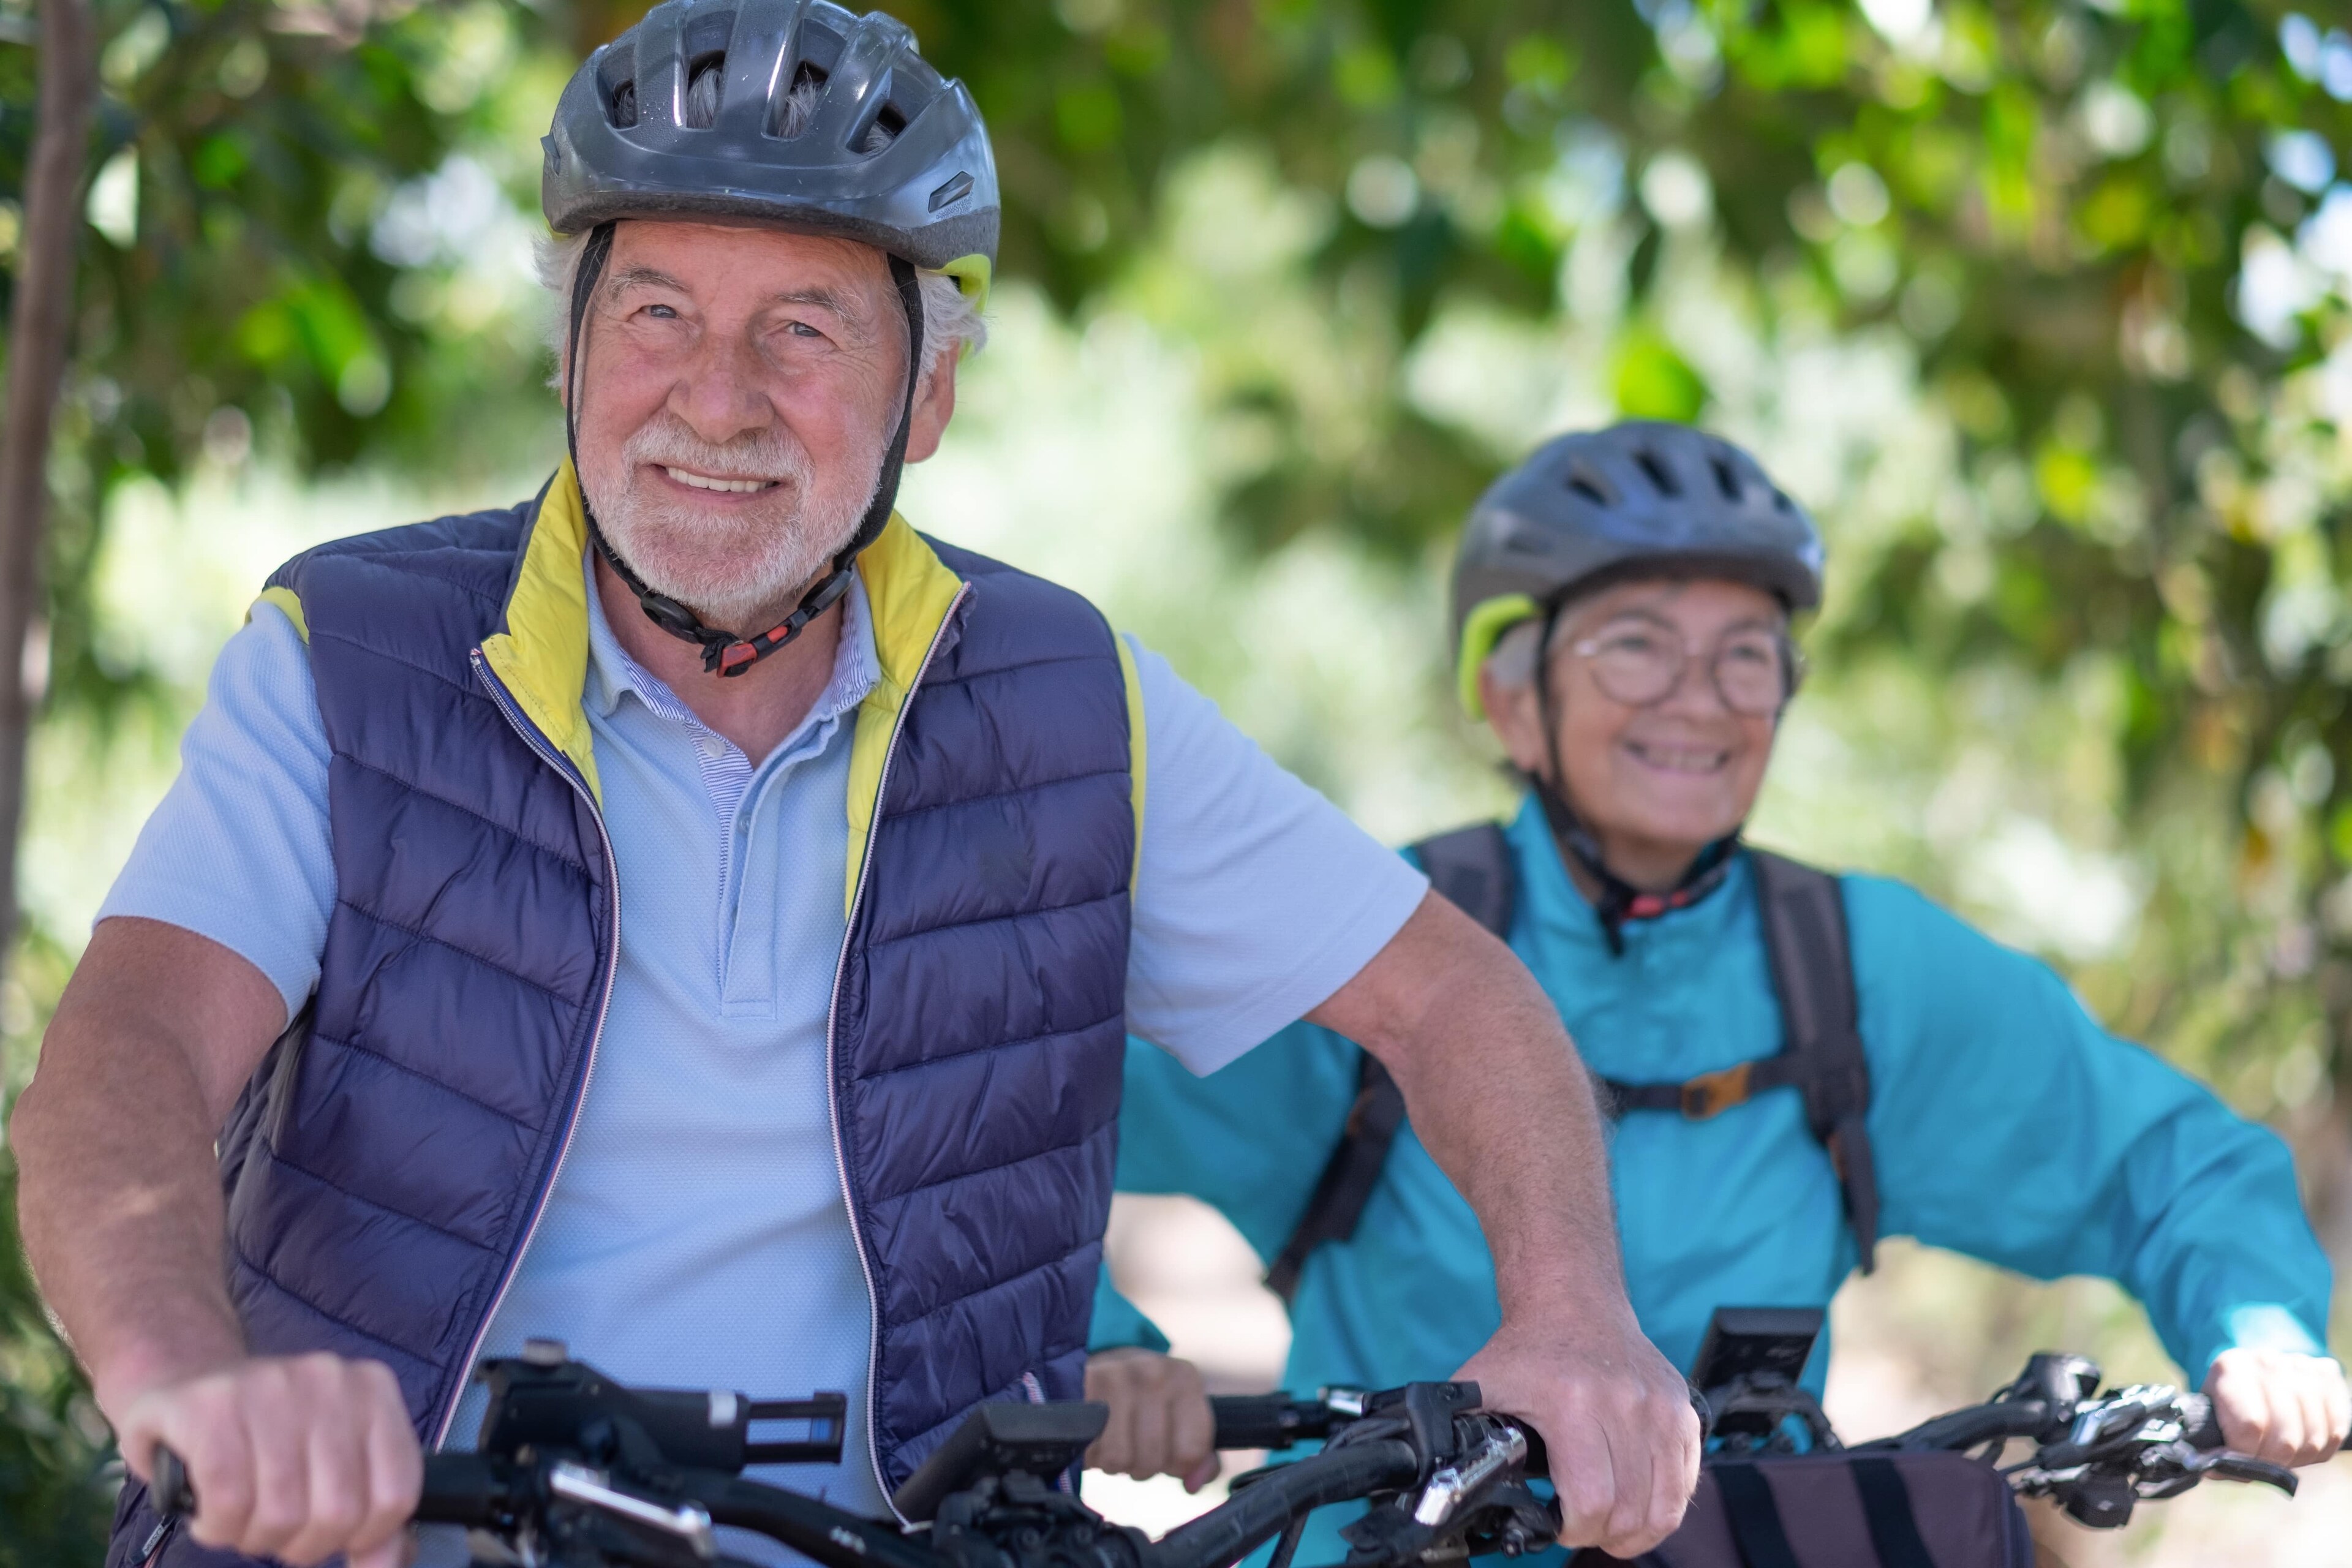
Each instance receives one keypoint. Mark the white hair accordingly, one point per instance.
(950, 320)
(1512, 661)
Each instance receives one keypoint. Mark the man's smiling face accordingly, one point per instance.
(739, 388)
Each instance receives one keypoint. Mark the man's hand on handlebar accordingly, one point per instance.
(1615, 1417)
(2279, 1406)
(293, 1457)
(1159, 1419)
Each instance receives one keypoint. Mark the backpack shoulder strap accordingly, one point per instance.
(1348, 1177)
(1472, 868)
(1805, 940)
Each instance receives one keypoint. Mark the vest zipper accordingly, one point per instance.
(832, 1028)
(548, 754)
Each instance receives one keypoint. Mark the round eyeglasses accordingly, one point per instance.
(1640, 663)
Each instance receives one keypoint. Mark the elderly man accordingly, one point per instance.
(366, 1072)
(1801, 1063)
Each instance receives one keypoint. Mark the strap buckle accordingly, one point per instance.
(1710, 1094)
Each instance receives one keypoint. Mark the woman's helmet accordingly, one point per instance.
(1640, 498)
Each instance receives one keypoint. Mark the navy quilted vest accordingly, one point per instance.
(385, 1167)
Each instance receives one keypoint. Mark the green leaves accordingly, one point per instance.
(1653, 382)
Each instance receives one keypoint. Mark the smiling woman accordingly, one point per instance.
(1655, 570)
(1664, 698)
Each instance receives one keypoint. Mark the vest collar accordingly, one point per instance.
(541, 651)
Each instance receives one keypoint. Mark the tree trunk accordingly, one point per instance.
(39, 326)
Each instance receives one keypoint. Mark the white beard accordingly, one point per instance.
(742, 570)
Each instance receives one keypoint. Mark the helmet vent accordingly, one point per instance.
(954, 189)
(1584, 482)
(624, 106)
(799, 102)
(1724, 479)
(702, 84)
(1660, 476)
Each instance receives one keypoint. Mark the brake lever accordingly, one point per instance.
(2235, 1466)
(688, 1522)
(1466, 1474)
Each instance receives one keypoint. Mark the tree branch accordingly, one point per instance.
(39, 324)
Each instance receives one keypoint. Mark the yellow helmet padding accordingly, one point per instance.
(1481, 630)
(973, 274)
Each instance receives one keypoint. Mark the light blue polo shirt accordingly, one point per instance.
(696, 1234)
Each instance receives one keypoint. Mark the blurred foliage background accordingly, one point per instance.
(2045, 306)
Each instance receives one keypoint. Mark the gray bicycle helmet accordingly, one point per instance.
(818, 119)
(1600, 505)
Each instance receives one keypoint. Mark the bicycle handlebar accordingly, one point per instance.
(1442, 1476)
(1258, 1512)
(2097, 1455)
(1269, 1421)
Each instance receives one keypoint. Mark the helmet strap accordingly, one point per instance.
(723, 652)
(1617, 899)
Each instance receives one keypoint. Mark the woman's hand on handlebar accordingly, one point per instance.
(1160, 1418)
(297, 1458)
(2279, 1405)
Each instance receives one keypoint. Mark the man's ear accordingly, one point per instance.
(934, 406)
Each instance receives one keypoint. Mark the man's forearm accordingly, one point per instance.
(1498, 1096)
(1501, 1101)
(120, 1202)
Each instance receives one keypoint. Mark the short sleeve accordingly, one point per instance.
(1255, 898)
(238, 851)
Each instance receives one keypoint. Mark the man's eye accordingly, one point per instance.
(662, 312)
(803, 329)
(1642, 643)
(1753, 653)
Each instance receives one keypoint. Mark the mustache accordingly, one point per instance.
(668, 441)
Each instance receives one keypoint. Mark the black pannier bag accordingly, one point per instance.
(1924, 1510)
(1761, 1506)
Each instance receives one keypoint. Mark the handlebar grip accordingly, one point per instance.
(1537, 1463)
(167, 1485)
(1260, 1421)
(460, 1489)
(2202, 1429)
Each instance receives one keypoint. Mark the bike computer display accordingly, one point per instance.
(1742, 1342)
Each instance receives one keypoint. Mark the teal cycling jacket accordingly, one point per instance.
(2008, 1125)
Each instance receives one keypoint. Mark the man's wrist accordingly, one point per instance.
(121, 1376)
(1553, 1295)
